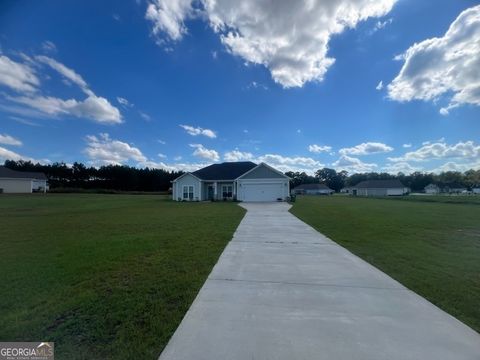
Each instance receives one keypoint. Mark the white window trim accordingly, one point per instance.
(225, 190)
(188, 192)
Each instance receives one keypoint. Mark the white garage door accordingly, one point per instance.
(262, 192)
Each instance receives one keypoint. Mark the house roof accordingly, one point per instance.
(379, 184)
(224, 171)
(9, 173)
(312, 187)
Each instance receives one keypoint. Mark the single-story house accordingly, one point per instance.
(476, 190)
(346, 190)
(12, 181)
(379, 188)
(312, 189)
(455, 189)
(243, 181)
(432, 189)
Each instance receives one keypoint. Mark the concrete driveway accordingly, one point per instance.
(283, 291)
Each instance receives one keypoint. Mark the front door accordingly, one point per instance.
(210, 192)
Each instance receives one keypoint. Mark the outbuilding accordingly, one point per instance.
(392, 187)
(12, 181)
(312, 189)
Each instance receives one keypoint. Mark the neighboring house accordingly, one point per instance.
(432, 189)
(12, 181)
(379, 188)
(346, 190)
(476, 190)
(243, 181)
(312, 189)
(455, 189)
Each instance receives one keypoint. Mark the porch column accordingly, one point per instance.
(234, 189)
(215, 190)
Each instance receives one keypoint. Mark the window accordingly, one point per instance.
(227, 191)
(187, 192)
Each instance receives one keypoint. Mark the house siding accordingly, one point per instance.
(262, 172)
(13, 186)
(188, 180)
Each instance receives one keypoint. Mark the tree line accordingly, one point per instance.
(109, 177)
(415, 181)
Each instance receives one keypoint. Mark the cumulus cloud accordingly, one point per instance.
(236, 155)
(406, 146)
(168, 17)
(314, 148)
(22, 79)
(9, 140)
(93, 107)
(103, 150)
(353, 165)
(204, 153)
(443, 66)
(290, 38)
(287, 163)
(17, 76)
(195, 131)
(441, 150)
(6, 154)
(403, 167)
(366, 149)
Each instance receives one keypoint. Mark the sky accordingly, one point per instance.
(357, 85)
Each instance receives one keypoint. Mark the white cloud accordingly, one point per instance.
(403, 167)
(444, 66)
(236, 155)
(162, 156)
(168, 17)
(314, 148)
(17, 76)
(163, 142)
(21, 78)
(9, 140)
(353, 165)
(455, 166)
(290, 38)
(295, 163)
(49, 46)
(204, 153)
(124, 102)
(93, 107)
(441, 150)
(103, 150)
(366, 149)
(379, 86)
(145, 116)
(406, 146)
(195, 131)
(68, 73)
(6, 154)
(379, 25)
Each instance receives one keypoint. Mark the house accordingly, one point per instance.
(379, 188)
(243, 181)
(455, 189)
(312, 189)
(346, 190)
(12, 181)
(431, 189)
(476, 190)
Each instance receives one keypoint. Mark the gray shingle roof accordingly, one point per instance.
(9, 173)
(224, 171)
(312, 187)
(379, 184)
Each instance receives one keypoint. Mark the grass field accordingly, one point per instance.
(431, 244)
(105, 276)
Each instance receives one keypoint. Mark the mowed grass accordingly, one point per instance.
(430, 245)
(105, 276)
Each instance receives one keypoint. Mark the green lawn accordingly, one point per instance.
(429, 244)
(105, 276)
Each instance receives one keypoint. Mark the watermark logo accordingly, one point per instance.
(26, 351)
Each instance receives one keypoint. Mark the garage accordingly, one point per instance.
(263, 192)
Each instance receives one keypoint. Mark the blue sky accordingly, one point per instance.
(351, 84)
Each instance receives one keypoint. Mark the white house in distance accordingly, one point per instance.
(312, 189)
(12, 181)
(379, 188)
(432, 189)
(243, 181)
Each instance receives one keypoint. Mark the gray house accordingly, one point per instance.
(432, 189)
(12, 181)
(379, 188)
(312, 189)
(243, 181)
